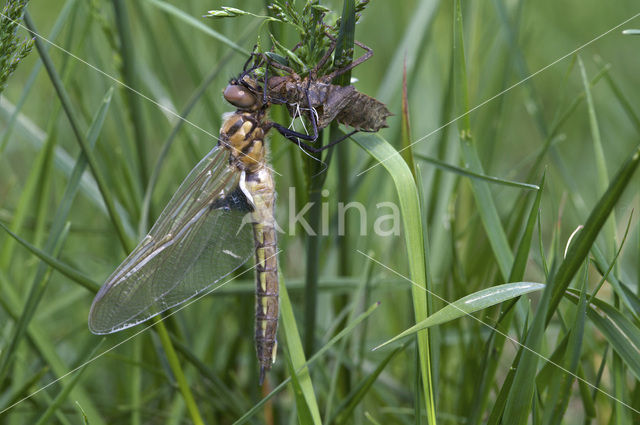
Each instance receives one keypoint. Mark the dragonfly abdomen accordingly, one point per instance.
(261, 188)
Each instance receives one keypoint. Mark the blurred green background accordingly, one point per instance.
(529, 116)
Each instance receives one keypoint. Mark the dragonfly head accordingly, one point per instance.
(243, 94)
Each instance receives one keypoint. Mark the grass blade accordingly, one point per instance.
(303, 387)
(408, 50)
(343, 55)
(408, 196)
(73, 121)
(484, 201)
(57, 26)
(522, 253)
(609, 228)
(197, 24)
(174, 363)
(560, 384)
(129, 78)
(56, 264)
(496, 342)
(520, 398)
(39, 284)
(471, 303)
(45, 348)
(345, 410)
(619, 331)
(467, 173)
(321, 352)
(62, 395)
(580, 246)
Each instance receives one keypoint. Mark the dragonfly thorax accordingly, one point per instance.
(244, 135)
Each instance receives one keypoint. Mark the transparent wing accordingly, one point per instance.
(199, 239)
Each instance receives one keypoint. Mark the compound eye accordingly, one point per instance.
(239, 96)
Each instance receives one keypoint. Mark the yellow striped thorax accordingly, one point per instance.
(243, 134)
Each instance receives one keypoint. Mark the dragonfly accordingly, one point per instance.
(221, 215)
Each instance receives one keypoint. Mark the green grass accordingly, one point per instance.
(489, 200)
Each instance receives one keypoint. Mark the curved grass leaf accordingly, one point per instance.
(409, 201)
(634, 300)
(470, 304)
(620, 96)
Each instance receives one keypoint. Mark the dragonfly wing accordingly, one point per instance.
(201, 236)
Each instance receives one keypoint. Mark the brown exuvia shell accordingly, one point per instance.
(331, 102)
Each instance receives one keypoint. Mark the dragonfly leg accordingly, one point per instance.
(312, 112)
(295, 137)
(264, 86)
(366, 56)
(251, 56)
(292, 134)
(278, 65)
(323, 60)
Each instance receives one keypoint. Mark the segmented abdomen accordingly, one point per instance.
(261, 187)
